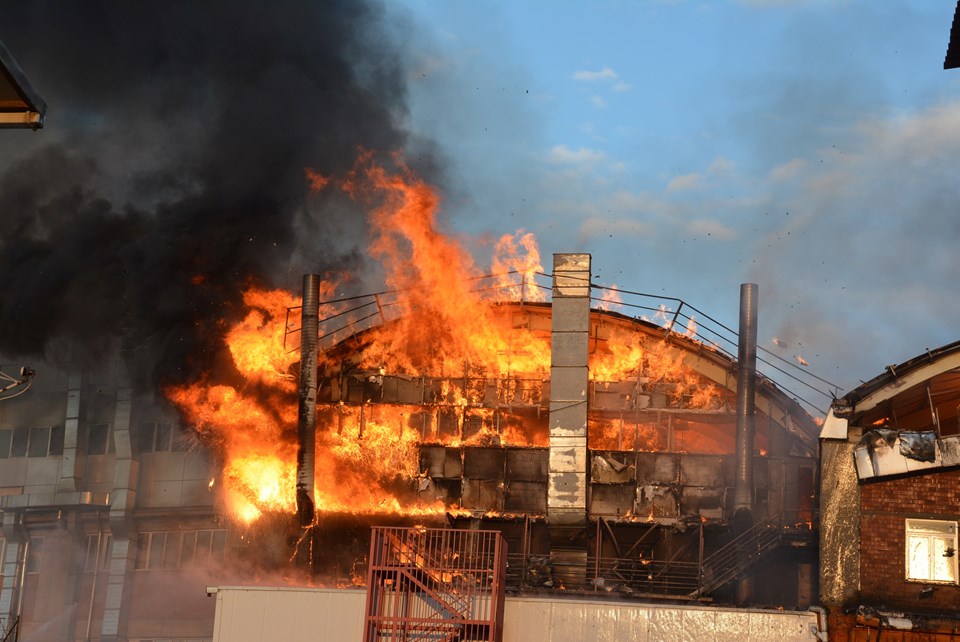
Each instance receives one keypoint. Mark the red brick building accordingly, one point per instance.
(890, 504)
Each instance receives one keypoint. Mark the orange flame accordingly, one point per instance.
(447, 330)
(442, 329)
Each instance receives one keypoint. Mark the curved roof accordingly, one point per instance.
(709, 363)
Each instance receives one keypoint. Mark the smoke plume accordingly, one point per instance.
(170, 173)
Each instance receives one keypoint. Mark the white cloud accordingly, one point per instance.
(563, 155)
(621, 86)
(788, 170)
(712, 228)
(598, 226)
(687, 181)
(598, 101)
(721, 166)
(593, 76)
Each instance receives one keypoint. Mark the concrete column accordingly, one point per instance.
(569, 382)
(69, 480)
(123, 556)
(123, 502)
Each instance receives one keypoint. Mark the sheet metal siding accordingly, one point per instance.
(570, 621)
(265, 614)
(332, 615)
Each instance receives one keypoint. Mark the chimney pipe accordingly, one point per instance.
(307, 417)
(746, 398)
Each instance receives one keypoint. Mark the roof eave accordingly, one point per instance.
(30, 114)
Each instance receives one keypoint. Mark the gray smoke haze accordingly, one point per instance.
(170, 171)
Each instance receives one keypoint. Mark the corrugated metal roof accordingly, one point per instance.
(20, 105)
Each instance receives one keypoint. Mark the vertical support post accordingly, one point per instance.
(746, 398)
(70, 469)
(123, 502)
(700, 562)
(307, 415)
(743, 491)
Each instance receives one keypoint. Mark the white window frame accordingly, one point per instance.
(934, 536)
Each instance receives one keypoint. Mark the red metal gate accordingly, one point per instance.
(435, 584)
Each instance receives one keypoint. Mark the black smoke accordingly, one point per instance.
(170, 171)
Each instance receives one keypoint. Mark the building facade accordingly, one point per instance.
(605, 481)
(890, 504)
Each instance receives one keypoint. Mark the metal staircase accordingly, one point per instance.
(436, 585)
(738, 555)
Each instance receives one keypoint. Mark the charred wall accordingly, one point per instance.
(666, 487)
(839, 525)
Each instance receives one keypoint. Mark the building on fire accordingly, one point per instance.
(890, 504)
(612, 453)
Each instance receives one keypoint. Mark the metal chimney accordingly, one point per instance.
(746, 398)
(307, 417)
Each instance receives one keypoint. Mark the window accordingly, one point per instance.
(39, 441)
(21, 436)
(90, 554)
(180, 549)
(34, 554)
(98, 439)
(159, 437)
(56, 441)
(931, 554)
(5, 438)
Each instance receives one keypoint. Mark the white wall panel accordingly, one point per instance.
(248, 614)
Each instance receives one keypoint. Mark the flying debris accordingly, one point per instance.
(801, 360)
(780, 344)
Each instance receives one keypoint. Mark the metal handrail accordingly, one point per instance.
(740, 553)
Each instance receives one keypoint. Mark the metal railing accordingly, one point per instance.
(435, 584)
(680, 578)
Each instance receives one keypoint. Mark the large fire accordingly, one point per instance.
(444, 328)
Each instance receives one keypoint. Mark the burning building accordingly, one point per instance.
(618, 453)
(603, 447)
(589, 438)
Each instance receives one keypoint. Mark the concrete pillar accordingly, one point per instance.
(569, 381)
(123, 503)
(69, 480)
(117, 597)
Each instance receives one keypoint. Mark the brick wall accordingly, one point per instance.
(884, 507)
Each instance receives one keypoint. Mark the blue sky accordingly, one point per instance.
(804, 145)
